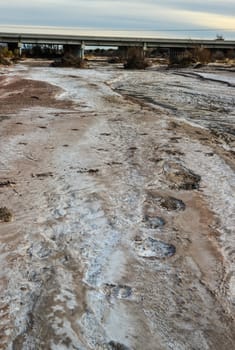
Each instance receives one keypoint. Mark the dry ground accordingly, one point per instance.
(114, 241)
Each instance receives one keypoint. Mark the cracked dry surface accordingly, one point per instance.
(122, 229)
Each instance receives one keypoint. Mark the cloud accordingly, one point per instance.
(122, 14)
(209, 20)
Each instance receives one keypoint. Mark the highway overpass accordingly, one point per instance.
(77, 43)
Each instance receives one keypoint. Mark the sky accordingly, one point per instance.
(188, 18)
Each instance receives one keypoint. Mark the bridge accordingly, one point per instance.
(76, 43)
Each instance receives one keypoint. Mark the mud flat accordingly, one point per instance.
(119, 189)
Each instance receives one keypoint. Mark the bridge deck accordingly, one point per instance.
(96, 40)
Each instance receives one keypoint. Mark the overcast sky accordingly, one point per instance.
(147, 15)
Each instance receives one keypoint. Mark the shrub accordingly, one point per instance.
(182, 59)
(186, 58)
(135, 59)
(218, 55)
(7, 56)
(114, 60)
(231, 54)
(5, 215)
(201, 55)
(70, 61)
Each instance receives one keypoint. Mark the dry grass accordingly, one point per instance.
(8, 57)
(201, 55)
(5, 215)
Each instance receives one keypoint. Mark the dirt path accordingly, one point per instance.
(119, 239)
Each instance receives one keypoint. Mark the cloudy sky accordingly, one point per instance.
(193, 17)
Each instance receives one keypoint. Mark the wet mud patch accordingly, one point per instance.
(11, 103)
(154, 249)
(180, 177)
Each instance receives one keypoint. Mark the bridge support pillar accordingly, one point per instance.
(123, 52)
(20, 45)
(75, 50)
(144, 50)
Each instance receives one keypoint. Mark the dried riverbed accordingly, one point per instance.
(121, 189)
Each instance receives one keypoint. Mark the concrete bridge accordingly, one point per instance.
(76, 44)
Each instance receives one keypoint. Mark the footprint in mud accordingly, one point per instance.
(112, 345)
(173, 152)
(180, 177)
(43, 175)
(209, 154)
(154, 222)
(154, 249)
(164, 201)
(118, 291)
(7, 183)
(171, 203)
(89, 171)
(175, 139)
(105, 134)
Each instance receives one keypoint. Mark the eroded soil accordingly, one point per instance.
(121, 189)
